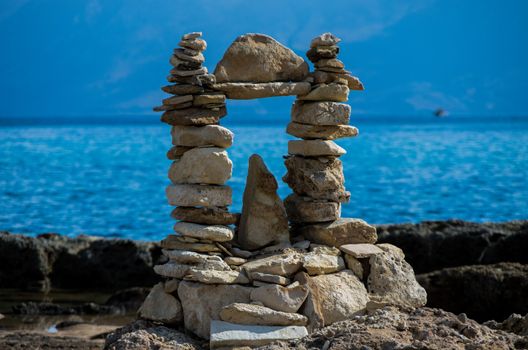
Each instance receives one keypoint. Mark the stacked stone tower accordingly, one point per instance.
(315, 173)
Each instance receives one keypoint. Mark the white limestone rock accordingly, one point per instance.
(199, 136)
(285, 299)
(216, 233)
(260, 315)
(314, 148)
(199, 195)
(160, 306)
(202, 166)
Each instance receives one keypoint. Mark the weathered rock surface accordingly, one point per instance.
(285, 299)
(203, 303)
(253, 314)
(217, 233)
(161, 307)
(315, 148)
(263, 219)
(483, 292)
(391, 280)
(320, 264)
(433, 245)
(318, 178)
(320, 113)
(230, 335)
(209, 135)
(248, 91)
(188, 257)
(175, 152)
(171, 242)
(265, 277)
(338, 296)
(306, 210)
(361, 250)
(202, 166)
(325, 132)
(339, 232)
(199, 195)
(205, 216)
(217, 277)
(182, 89)
(325, 39)
(259, 58)
(193, 116)
(285, 264)
(515, 323)
(327, 92)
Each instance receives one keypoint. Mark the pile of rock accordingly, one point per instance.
(249, 285)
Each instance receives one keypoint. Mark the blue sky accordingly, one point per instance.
(109, 58)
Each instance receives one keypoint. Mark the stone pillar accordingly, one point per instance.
(315, 172)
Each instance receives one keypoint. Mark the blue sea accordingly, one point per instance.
(109, 180)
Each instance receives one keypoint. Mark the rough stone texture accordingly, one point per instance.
(319, 264)
(285, 264)
(339, 296)
(314, 148)
(320, 113)
(161, 306)
(193, 116)
(361, 250)
(318, 178)
(217, 233)
(172, 269)
(263, 219)
(433, 245)
(202, 166)
(175, 152)
(515, 323)
(199, 195)
(392, 328)
(391, 281)
(172, 242)
(325, 39)
(182, 89)
(209, 135)
(202, 303)
(143, 335)
(325, 132)
(265, 277)
(311, 307)
(259, 58)
(248, 91)
(327, 92)
(231, 336)
(305, 210)
(260, 315)
(355, 266)
(217, 277)
(339, 232)
(206, 216)
(484, 292)
(285, 299)
(236, 261)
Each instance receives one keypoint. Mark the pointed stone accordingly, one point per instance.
(263, 219)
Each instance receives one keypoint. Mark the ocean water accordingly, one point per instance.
(109, 180)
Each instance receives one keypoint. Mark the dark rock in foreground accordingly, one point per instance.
(387, 328)
(433, 245)
(483, 292)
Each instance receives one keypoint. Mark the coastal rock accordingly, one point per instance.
(355, 266)
(322, 77)
(252, 314)
(248, 91)
(171, 242)
(202, 303)
(391, 281)
(361, 250)
(320, 52)
(217, 276)
(311, 307)
(172, 270)
(235, 336)
(339, 296)
(188, 257)
(329, 63)
(285, 264)
(305, 210)
(263, 219)
(208, 99)
(209, 135)
(199, 195)
(235, 261)
(265, 277)
(193, 44)
(205, 216)
(325, 39)
(320, 113)
(180, 53)
(324, 249)
(259, 58)
(320, 264)
(314, 148)
(182, 89)
(171, 285)
(285, 299)
(160, 306)
(339, 232)
(327, 92)
(217, 233)
(202, 166)
(318, 178)
(193, 116)
(325, 132)
(175, 152)
(477, 289)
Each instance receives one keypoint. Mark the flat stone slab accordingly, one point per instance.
(217, 233)
(225, 334)
(314, 148)
(361, 250)
(252, 314)
(248, 91)
(339, 232)
(199, 195)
